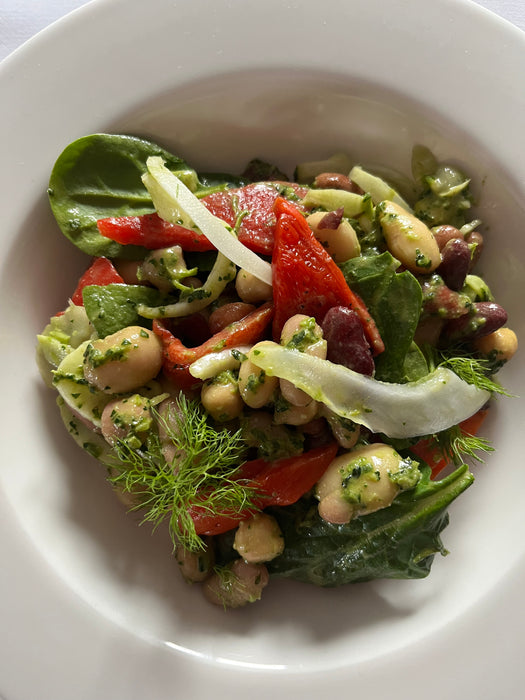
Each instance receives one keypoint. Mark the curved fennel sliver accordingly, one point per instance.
(434, 403)
(174, 201)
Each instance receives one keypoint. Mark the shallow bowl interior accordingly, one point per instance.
(285, 109)
(127, 573)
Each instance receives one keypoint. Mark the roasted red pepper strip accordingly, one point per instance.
(177, 357)
(152, 232)
(306, 280)
(101, 272)
(429, 451)
(278, 483)
(284, 482)
(255, 204)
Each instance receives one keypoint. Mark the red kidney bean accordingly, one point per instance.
(439, 300)
(486, 317)
(475, 240)
(445, 233)
(228, 313)
(455, 263)
(331, 220)
(336, 181)
(346, 342)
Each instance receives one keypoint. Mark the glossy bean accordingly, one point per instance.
(169, 423)
(408, 238)
(499, 345)
(476, 243)
(237, 584)
(128, 419)
(195, 567)
(255, 386)
(228, 313)
(259, 539)
(485, 318)
(439, 300)
(304, 334)
(123, 361)
(221, 398)
(363, 481)
(445, 233)
(337, 235)
(455, 263)
(346, 342)
(296, 415)
(335, 181)
(251, 289)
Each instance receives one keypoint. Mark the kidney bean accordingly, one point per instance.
(346, 342)
(440, 300)
(336, 181)
(445, 233)
(455, 263)
(485, 318)
(228, 313)
(475, 241)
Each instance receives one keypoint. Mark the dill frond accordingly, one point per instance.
(474, 371)
(457, 446)
(203, 474)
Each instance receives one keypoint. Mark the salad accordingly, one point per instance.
(288, 374)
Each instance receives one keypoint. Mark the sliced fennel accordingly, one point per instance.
(430, 405)
(79, 396)
(377, 188)
(353, 204)
(222, 272)
(211, 364)
(174, 202)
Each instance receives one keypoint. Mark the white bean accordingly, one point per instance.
(301, 331)
(237, 584)
(255, 386)
(362, 481)
(501, 344)
(341, 243)
(221, 398)
(195, 566)
(296, 415)
(408, 238)
(259, 539)
(123, 361)
(251, 289)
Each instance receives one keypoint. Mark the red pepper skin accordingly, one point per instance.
(430, 453)
(279, 483)
(283, 482)
(256, 230)
(101, 272)
(177, 357)
(152, 232)
(306, 280)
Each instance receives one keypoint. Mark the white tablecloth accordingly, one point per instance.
(21, 19)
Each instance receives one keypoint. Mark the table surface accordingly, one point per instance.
(21, 19)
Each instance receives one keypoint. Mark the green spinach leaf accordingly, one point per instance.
(394, 301)
(114, 306)
(98, 176)
(396, 542)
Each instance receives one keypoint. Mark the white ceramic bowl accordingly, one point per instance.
(91, 605)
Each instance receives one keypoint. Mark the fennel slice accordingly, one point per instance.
(78, 395)
(378, 188)
(430, 405)
(174, 202)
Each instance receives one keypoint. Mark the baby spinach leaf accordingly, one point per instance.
(394, 301)
(114, 306)
(98, 176)
(396, 542)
